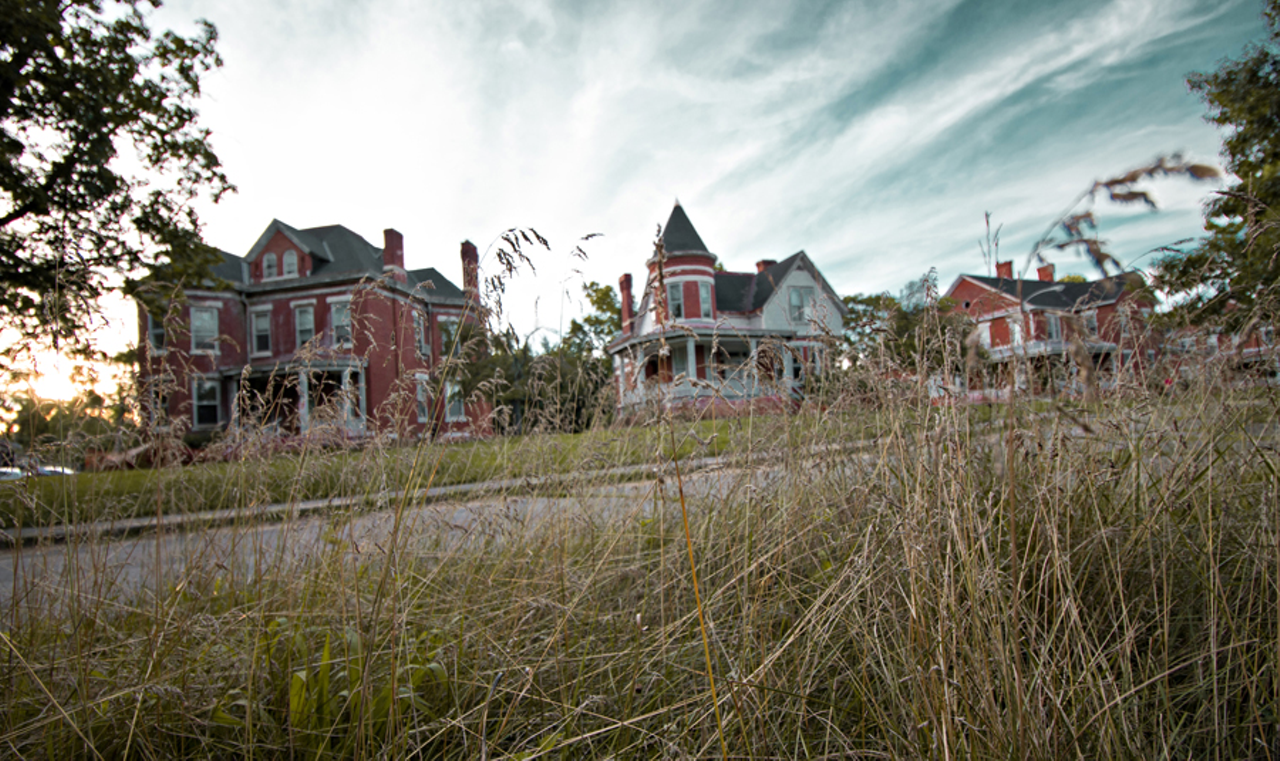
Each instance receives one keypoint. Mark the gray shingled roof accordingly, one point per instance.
(232, 269)
(679, 235)
(337, 254)
(443, 288)
(733, 291)
(1058, 295)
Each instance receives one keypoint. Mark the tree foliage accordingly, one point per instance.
(101, 157)
(1234, 271)
(594, 331)
(917, 332)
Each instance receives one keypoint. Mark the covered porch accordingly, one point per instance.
(299, 398)
(679, 366)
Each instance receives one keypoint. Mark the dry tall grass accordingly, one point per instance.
(1091, 582)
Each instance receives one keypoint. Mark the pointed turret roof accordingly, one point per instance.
(679, 235)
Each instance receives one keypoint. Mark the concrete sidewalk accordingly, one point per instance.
(10, 538)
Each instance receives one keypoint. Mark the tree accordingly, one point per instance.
(101, 158)
(594, 331)
(1234, 271)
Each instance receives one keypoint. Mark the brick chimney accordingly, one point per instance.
(393, 255)
(1004, 270)
(470, 271)
(765, 264)
(628, 306)
(1045, 273)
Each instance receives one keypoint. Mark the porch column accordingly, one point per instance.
(754, 375)
(693, 361)
(788, 367)
(304, 402)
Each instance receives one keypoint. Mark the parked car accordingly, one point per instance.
(11, 474)
(51, 470)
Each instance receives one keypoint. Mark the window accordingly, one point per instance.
(155, 332)
(204, 329)
(261, 332)
(1123, 316)
(424, 397)
(450, 341)
(1266, 335)
(422, 335)
(208, 402)
(1091, 323)
(679, 361)
(304, 324)
(704, 299)
(1052, 327)
(675, 300)
(799, 301)
(290, 264)
(268, 266)
(341, 313)
(1015, 329)
(1187, 345)
(455, 408)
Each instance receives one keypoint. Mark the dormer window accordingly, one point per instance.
(290, 263)
(268, 266)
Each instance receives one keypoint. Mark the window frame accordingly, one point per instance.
(800, 312)
(423, 397)
(450, 337)
(155, 327)
(704, 300)
(1052, 327)
(259, 317)
(675, 301)
(348, 340)
(453, 395)
(422, 334)
(297, 324)
(199, 346)
(196, 403)
(269, 269)
(289, 264)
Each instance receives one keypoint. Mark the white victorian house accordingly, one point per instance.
(700, 335)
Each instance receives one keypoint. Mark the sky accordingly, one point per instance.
(872, 135)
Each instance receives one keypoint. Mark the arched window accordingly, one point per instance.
(268, 266)
(290, 264)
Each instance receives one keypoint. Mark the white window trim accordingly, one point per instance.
(297, 338)
(422, 389)
(217, 321)
(806, 305)
(163, 348)
(451, 388)
(275, 265)
(333, 323)
(195, 402)
(284, 258)
(704, 305)
(302, 303)
(678, 288)
(447, 347)
(254, 314)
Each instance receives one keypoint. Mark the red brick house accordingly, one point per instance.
(312, 328)
(1038, 318)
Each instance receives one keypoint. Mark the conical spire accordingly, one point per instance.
(679, 236)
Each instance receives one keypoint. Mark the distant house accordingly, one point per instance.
(1039, 318)
(313, 327)
(700, 334)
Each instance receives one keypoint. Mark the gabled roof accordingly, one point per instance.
(679, 236)
(1043, 294)
(748, 291)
